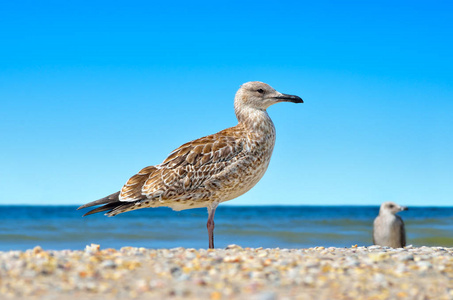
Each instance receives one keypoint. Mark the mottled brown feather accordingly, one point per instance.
(185, 169)
(132, 190)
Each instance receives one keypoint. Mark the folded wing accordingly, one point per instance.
(189, 172)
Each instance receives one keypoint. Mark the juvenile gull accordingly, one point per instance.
(210, 170)
(388, 229)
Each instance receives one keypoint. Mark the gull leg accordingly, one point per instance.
(210, 224)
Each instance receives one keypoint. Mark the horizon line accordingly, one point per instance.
(250, 205)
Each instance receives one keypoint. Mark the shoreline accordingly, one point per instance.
(232, 273)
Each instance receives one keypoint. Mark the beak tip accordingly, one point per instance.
(289, 98)
(298, 99)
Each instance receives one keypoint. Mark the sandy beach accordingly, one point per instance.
(233, 273)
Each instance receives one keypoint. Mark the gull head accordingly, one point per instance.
(259, 95)
(391, 208)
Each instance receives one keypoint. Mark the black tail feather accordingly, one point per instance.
(108, 207)
(106, 200)
(111, 204)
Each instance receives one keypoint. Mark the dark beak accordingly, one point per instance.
(404, 208)
(289, 98)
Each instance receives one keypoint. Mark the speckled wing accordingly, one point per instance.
(187, 168)
(132, 190)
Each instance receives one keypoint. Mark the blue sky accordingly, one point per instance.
(92, 91)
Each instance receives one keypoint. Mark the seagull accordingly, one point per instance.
(388, 229)
(210, 170)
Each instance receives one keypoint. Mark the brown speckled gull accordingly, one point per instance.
(210, 170)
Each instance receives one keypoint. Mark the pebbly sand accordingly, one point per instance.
(232, 273)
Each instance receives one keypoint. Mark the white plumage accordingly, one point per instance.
(388, 229)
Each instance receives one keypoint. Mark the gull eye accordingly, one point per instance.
(391, 206)
(261, 91)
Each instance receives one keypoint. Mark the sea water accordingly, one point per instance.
(62, 227)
